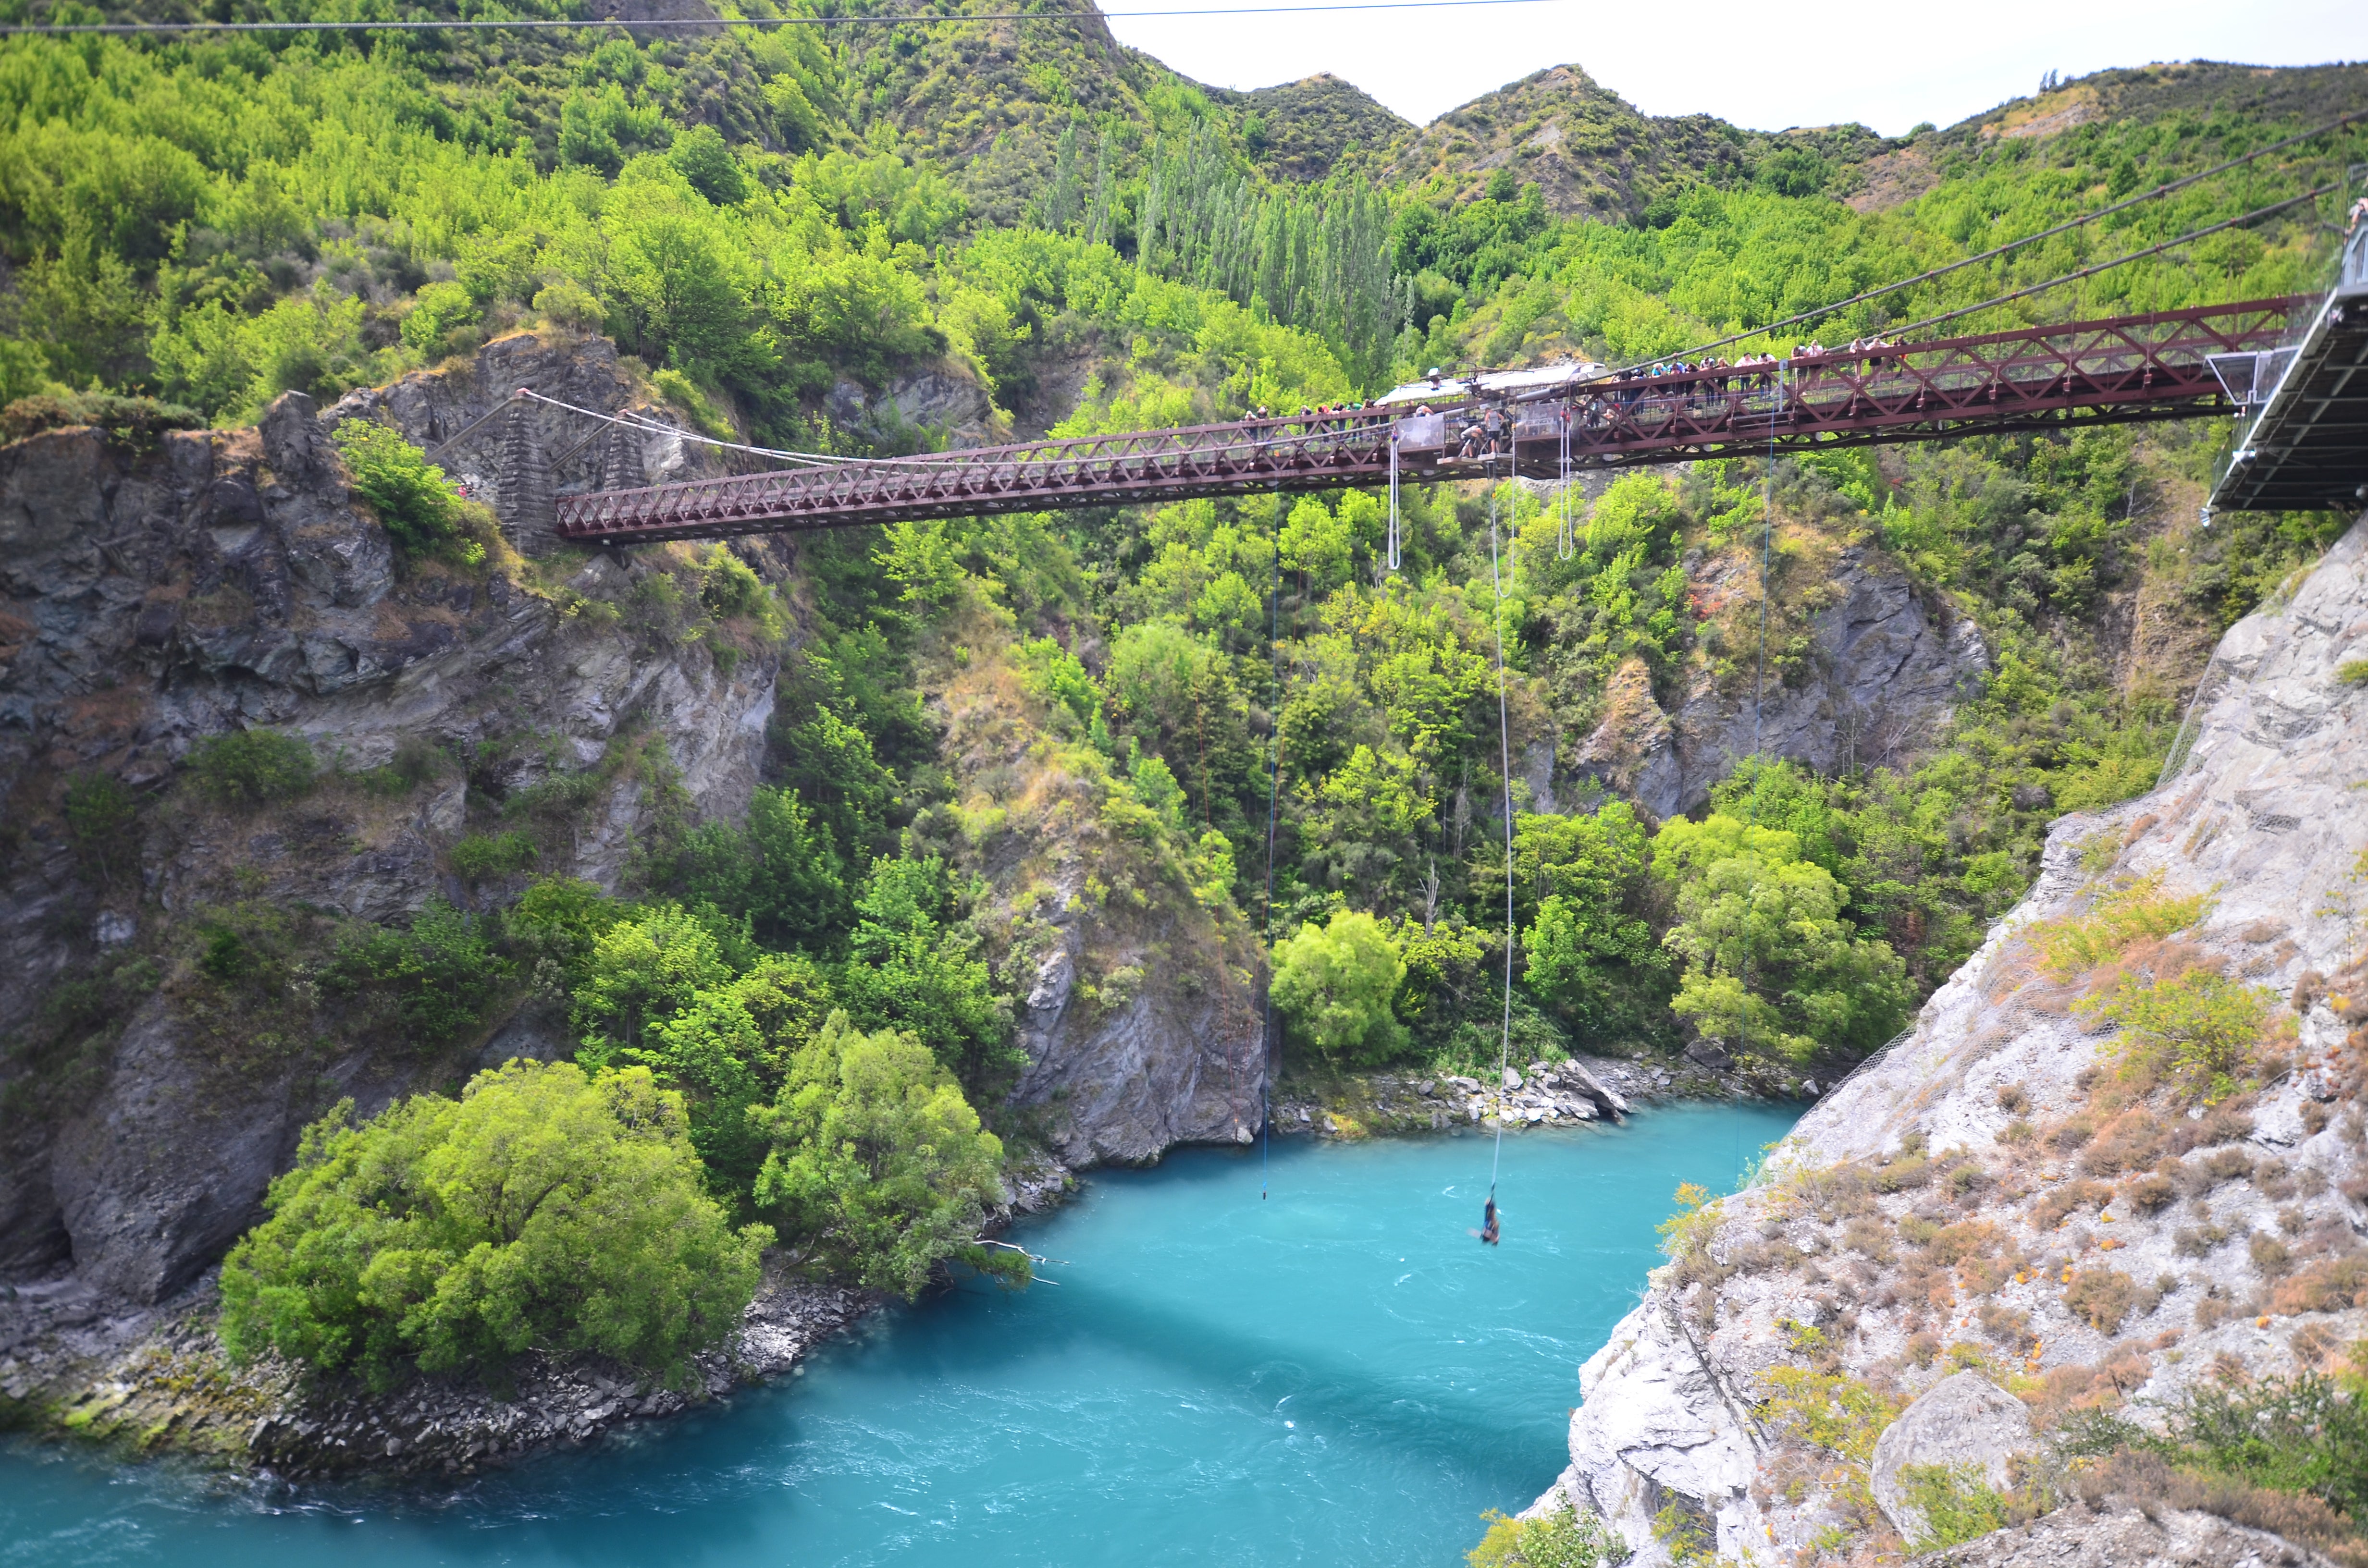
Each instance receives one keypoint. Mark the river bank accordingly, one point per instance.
(1333, 1373)
(152, 1382)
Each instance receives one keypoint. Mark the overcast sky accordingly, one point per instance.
(1760, 65)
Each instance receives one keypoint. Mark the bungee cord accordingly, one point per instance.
(1497, 575)
(1273, 802)
(1393, 556)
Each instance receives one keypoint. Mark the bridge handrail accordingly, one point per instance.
(1983, 376)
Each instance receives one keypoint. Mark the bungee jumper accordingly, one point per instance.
(1488, 1222)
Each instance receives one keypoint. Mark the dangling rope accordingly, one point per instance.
(1758, 698)
(1505, 756)
(1273, 800)
(1394, 498)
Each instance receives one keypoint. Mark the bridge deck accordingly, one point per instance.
(2134, 367)
(2307, 445)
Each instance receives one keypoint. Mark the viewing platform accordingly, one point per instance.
(2305, 403)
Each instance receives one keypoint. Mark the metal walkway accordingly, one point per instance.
(2307, 445)
(2133, 368)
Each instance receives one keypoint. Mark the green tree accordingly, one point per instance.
(727, 1051)
(642, 971)
(914, 967)
(1333, 983)
(543, 1211)
(1771, 966)
(1586, 874)
(879, 1168)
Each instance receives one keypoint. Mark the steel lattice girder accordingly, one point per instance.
(2132, 368)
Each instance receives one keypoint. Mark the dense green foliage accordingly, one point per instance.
(1552, 1541)
(878, 1163)
(1334, 983)
(544, 1210)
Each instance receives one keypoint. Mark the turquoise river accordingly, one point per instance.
(1338, 1375)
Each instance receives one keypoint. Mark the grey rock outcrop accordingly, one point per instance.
(1961, 1422)
(2121, 1534)
(1886, 667)
(2095, 1274)
(223, 580)
(940, 401)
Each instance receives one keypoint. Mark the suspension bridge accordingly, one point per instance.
(2163, 365)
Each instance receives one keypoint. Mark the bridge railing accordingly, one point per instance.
(2142, 364)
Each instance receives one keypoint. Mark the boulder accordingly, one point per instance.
(1961, 1420)
(1606, 1099)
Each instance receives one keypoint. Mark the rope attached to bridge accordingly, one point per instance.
(1394, 498)
(1497, 575)
(1273, 807)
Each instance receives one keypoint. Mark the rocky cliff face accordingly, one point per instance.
(1138, 1014)
(1997, 1193)
(223, 580)
(1880, 667)
(153, 596)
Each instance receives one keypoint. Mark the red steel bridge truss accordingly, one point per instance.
(2044, 378)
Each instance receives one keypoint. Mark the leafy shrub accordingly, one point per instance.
(1333, 983)
(481, 856)
(879, 1166)
(137, 420)
(1834, 1412)
(1771, 965)
(433, 982)
(1564, 1539)
(543, 1211)
(437, 313)
(2198, 1029)
(1956, 1501)
(417, 760)
(703, 159)
(912, 967)
(99, 817)
(249, 768)
(2352, 672)
(2072, 945)
(419, 509)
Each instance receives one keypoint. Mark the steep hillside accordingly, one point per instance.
(1318, 127)
(2115, 1167)
(1594, 155)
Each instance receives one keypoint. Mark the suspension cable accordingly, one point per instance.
(2087, 272)
(1925, 277)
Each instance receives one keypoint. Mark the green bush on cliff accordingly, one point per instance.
(1558, 1539)
(879, 1167)
(248, 768)
(544, 1210)
(421, 513)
